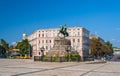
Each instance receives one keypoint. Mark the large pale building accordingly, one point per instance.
(79, 37)
(97, 37)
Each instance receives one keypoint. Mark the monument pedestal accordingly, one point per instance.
(61, 47)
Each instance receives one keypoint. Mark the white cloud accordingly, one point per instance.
(13, 43)
(115, 40)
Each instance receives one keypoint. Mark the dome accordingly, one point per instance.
(24, 34)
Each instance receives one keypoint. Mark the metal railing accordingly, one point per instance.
(57, 59)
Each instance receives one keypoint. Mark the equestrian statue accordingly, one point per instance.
(63, 31)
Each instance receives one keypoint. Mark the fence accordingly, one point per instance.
(57, 59)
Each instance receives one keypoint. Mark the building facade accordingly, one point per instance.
(78, 36)
(97, 37)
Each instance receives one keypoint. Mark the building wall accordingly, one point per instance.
(97, 37)
(79, 37)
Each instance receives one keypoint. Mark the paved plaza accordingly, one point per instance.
(27, 67)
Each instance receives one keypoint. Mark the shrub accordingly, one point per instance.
(75, 57)
(45, 58)
(55, 57)
(72, 57)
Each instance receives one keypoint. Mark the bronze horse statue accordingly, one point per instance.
(63, 30)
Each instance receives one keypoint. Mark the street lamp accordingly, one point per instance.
(42, 50)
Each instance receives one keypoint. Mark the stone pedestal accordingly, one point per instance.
(61, 46)
(61, 51)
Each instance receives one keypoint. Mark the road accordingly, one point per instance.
(27, 67)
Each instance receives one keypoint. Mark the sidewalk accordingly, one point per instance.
(19, 67)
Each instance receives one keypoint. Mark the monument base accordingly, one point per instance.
(61, 47)
(61, 50)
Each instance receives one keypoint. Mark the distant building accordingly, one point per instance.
(14, 52)
(97, 37)
(116, 50)
(79, 37)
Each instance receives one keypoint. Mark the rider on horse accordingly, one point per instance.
(63, 30)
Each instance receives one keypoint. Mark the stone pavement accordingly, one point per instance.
(27, 67)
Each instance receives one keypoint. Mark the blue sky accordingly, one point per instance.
(101, 17)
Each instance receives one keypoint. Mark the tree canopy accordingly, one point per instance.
(5, 45)
(24, 47)
(2, 51)
(99, 49)
(4, 48)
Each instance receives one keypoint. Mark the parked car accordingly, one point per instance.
(108, 57)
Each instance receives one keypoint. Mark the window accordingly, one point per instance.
(39, 41)
(46, 41)
(73, 40)
(39, 35)
(39, 53)
(50, 41)
(42, 35)
(78, 40)
(78, 33)
(46, 47)
(42, 41)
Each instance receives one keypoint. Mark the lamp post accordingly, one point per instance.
(42, 51)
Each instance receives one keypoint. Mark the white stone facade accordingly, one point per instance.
(79, 37)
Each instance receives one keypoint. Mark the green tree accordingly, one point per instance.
(99, 49)
(5, 45)
(24, 47)
(96, 47)
(109, 46)
(106, 50)
(2, 51)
